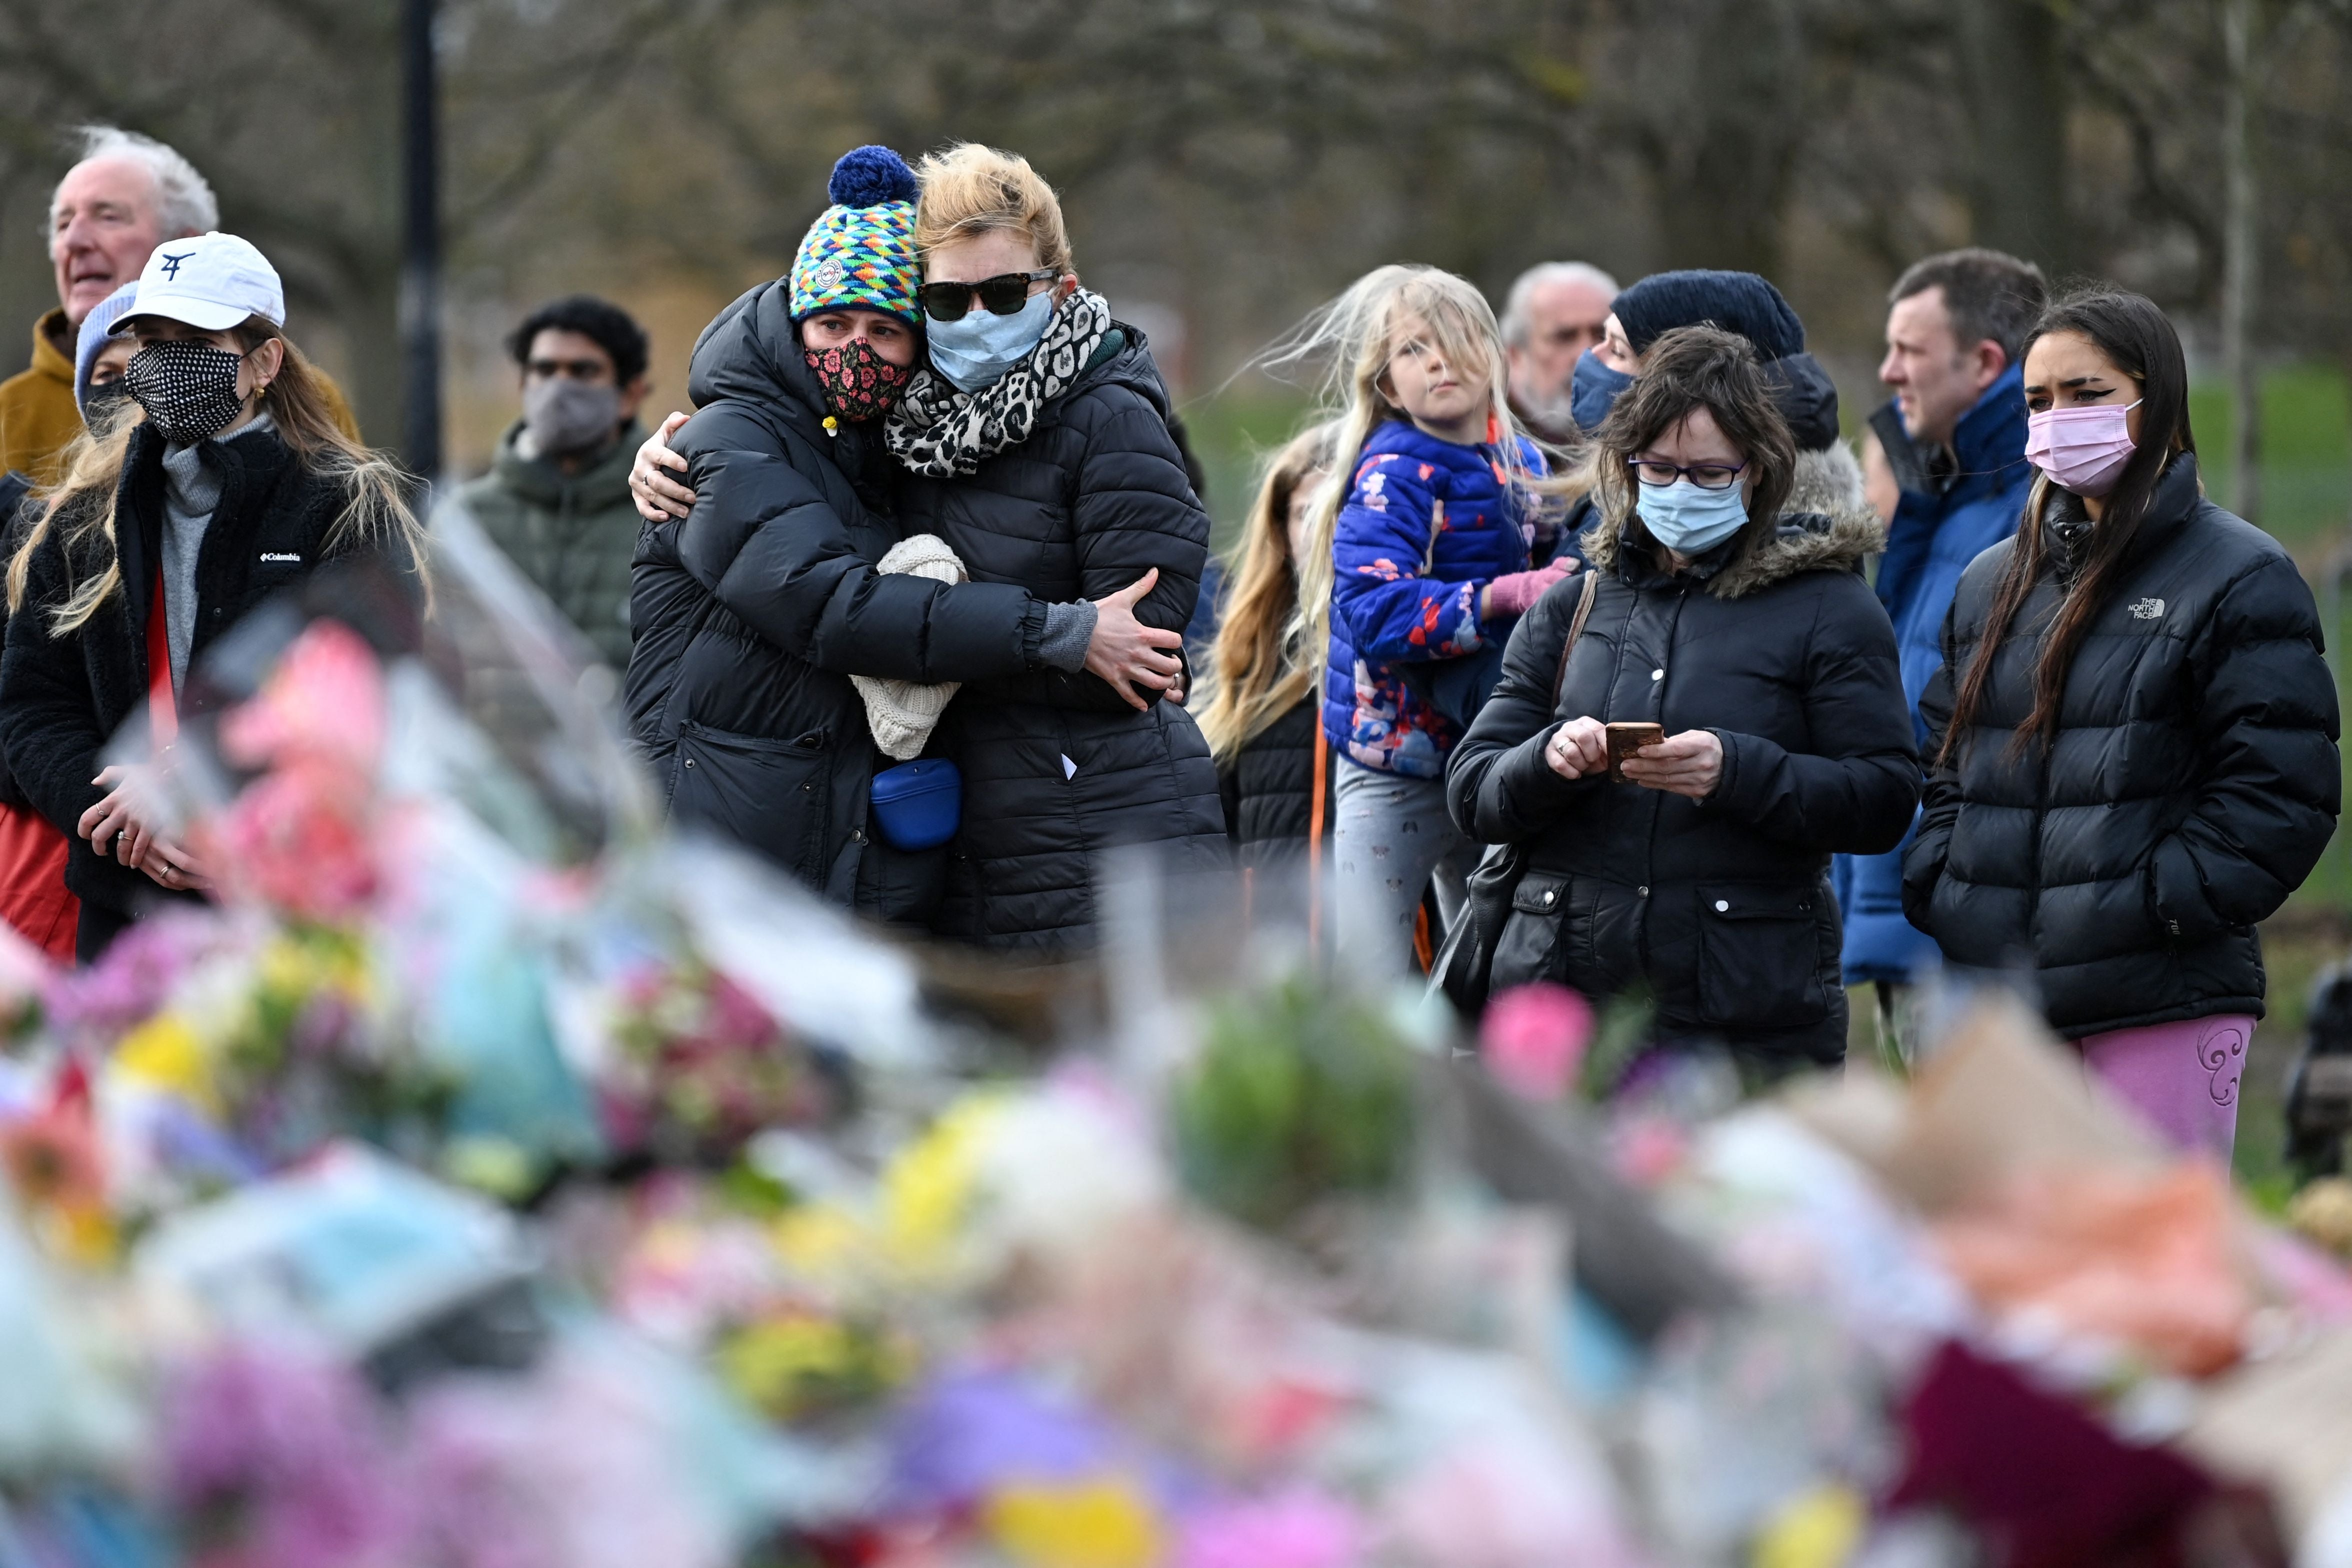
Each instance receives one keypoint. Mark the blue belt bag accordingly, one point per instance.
(918, 804)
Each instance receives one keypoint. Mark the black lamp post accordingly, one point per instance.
(420, 265)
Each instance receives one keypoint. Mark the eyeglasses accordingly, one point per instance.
(1705, 476)
(1002, 295)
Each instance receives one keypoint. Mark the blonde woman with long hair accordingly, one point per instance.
(1259, 704)
(1419, 562)
(231, 483)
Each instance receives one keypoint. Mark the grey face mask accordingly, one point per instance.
(566, 417)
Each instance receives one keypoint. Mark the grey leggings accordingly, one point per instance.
(1393, 839)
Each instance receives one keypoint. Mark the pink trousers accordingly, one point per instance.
(2181, 1077)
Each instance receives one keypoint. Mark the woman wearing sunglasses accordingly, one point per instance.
(754, 612)
(1036, 444)
(1698, 869)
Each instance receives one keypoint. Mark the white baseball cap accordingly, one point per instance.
(211, 281)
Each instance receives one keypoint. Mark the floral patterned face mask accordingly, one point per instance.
(858, 382)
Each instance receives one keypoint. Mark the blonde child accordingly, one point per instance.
(1258, 708)
(1418, 565)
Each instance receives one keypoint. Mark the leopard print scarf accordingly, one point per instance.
(941, 432)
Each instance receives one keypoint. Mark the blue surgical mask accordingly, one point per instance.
(977, 350)
(1592, 389)
(1689, 521)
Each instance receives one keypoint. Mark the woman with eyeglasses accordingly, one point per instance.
(787, 671)
(1696, 869)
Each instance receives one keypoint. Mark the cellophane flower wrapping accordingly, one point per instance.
(494, 1176)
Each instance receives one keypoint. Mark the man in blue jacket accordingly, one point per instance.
(1954, 439)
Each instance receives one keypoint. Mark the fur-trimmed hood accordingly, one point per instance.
(1827, 526)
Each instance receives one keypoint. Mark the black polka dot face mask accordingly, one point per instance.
(188, 388)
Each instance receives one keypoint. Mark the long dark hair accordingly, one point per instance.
(1686, 369)
(2132, 332)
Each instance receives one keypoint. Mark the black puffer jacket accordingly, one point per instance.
(1269, 792)
(62, 697)
(1056, 767)
(2192, 788)
(1721, 907)
(752, 615)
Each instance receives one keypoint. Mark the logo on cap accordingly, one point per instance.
(829, 274)
(172, 263)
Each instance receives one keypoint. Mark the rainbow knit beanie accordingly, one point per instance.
(860, 252)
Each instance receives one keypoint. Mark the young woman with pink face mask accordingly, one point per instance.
(2132, 742)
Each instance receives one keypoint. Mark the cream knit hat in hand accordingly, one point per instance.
(902, 713)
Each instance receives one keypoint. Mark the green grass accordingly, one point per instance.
(2306, 453)
(1232, 434)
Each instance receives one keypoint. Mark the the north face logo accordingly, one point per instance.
(2148, 610)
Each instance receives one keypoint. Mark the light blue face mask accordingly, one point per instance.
(1689, 521)
(976, 350)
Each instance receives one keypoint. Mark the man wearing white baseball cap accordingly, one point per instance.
(164, 531)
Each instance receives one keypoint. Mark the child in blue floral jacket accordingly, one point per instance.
(1430, 552)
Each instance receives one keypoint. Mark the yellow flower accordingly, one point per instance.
(166, 1053)
(818, 1241)
(1819, 1528)
(927, 1191)
(792, 1366)
(1091, 1524)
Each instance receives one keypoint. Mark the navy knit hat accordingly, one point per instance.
(1736, 301)
(1744, 304)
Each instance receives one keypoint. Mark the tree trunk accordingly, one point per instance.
(2010, 60)
(2241, 249)
(1720, 142)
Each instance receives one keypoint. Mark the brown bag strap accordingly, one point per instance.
(1576, 629)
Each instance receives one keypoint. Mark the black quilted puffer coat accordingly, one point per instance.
(2191, 786)
(1057, 768)
(752, 615)
(1720, 908)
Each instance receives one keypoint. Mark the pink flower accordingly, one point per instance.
(324, 702)
(1535, 1038)
(299, 838)
(1297, 1529)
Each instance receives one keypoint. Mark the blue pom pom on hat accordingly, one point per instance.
(860, 252)
(869, 175)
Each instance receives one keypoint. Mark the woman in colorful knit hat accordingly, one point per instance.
(754, 609)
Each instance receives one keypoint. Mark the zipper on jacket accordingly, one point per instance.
(1657, 799)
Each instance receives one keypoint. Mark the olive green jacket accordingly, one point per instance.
(572, 534)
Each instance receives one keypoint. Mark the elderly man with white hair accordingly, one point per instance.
(1553, 315)
(126, 194)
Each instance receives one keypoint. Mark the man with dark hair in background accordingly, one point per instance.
(556, 499)
(1953, 440)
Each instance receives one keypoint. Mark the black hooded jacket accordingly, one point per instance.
(1057, 767)
(1269, 792)
(62, 697)
(2191, 786)
(1720, 908)
(752, 612)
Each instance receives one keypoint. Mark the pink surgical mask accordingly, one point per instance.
(2082, 449)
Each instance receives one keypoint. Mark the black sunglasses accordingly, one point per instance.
(1002, 295)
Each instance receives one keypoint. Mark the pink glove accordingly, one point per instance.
(1516, 594)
